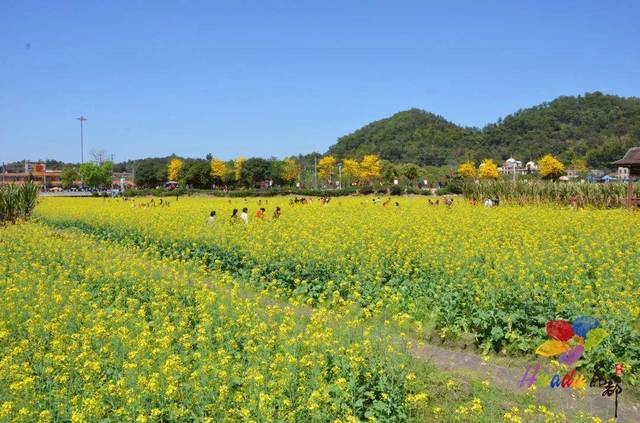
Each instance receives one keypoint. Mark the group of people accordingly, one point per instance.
(323, 200)
(447, 201)
(261, 213)
(150, 203)
(297, 200)
(488, 202)
(244, 215)
(385, 203)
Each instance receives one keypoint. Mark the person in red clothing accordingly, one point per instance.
(260, 213)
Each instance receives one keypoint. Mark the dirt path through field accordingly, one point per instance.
(508, 378)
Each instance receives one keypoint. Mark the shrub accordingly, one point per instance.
(17, 201)
(395, 190)
(443, 191)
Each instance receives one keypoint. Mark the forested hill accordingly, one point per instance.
(411, 136)
(595, 126)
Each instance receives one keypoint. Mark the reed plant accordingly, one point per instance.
(609, 195)
(17, 201)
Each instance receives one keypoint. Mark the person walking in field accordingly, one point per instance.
(212, 218)
(260, 213)
(574, 202)
(244, 216)
(234, 216)
(488, 203)
(277, 213)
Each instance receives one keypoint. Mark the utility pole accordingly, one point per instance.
(82, 119)
(315, 173)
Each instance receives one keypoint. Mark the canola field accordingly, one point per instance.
(94, 330)
(495, 275)
(114, 310)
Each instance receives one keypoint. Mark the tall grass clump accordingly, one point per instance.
(17, 201)
(609, 195)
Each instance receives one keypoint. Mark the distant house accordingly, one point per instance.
(531, 167)
(512, 166)
(35, 173)
(622, 174)
(122, 180)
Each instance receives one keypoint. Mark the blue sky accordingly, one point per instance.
(286, 77)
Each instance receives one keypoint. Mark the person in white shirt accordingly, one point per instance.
(488, 202)
(244, 216)
(212, 218)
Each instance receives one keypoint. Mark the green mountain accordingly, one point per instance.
(595, 126)
(411, 136)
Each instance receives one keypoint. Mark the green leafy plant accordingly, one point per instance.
(17, 201)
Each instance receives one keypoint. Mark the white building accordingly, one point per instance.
(531, 167)
(512, 166)
(622, 174)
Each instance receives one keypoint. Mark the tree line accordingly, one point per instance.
(308, 171)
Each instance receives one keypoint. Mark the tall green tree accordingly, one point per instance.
(410, 171)
(254, 171)
(69, 177)
(96, 176)
(389, 172)
(197, 174)
(150, 173)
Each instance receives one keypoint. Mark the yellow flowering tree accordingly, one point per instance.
(218, 168)
(290, 170)
(370, 167)
(550, 167)
(488, 170)
(327, 167)
(352, 168)
(174, 170)
(468, 170)
(238, 165)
